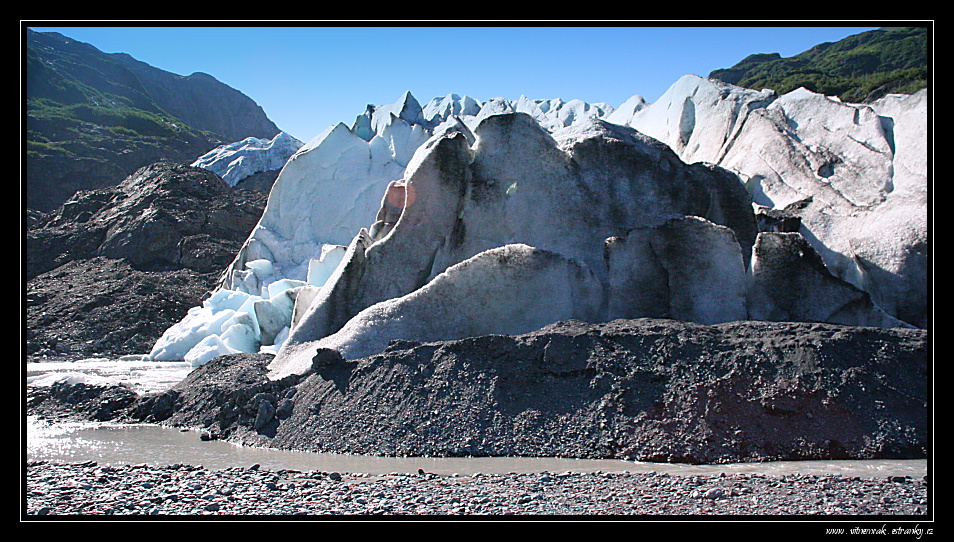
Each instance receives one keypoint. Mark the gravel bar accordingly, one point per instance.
(89, 489)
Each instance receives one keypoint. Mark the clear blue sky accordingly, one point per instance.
(309, 78)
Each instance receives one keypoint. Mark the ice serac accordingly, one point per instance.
(500, 291)
(327, 190)
(624, 112)
(241, 159)
(555, 114)
(791, 283)
(853, 176)
(687, 269)
(714, 204)
(487, 224)
(890, 245)
(442, 108)
(332, 187)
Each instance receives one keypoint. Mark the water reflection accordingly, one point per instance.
(141, 376)
(109, 444)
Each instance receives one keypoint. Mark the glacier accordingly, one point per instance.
(464, 217)
(236, 161)
(328, 189)
(854, 174)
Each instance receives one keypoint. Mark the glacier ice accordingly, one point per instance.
(319, 270)
(344, 202)
(209, 348)
(328, 189)
(474, 255)
(236, 161)
(491, 292)
(198, 324)
(238, 320)
(855, 172)
(442, 108)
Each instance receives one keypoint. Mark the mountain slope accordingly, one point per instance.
(859, 68)
(112, 268)
(93, 118)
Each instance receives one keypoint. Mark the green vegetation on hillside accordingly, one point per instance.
(80, 100)
(93, 118)
(89, 131)
(119, 120)
(859, 68)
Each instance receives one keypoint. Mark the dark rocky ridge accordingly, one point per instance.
(112, 269)
(647, 389)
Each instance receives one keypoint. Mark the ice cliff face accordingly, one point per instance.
(328, 190)
(854, 176)
(462, 218)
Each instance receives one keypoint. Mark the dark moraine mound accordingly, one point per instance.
(647, 389)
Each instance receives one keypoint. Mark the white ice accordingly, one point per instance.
(141, 375)
(328, 189)
(232, 321)
(236, 161)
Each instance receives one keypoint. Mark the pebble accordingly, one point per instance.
(183, 490)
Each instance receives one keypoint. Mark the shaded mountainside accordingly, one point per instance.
(111, 269)
(93, 118)
(858, 69)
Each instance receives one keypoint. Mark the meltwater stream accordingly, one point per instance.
(113, 444)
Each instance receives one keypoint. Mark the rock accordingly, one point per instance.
(88, 401)
(714, 493)
(111, 270)
(265, 411)
(643, 389)
(163, 216)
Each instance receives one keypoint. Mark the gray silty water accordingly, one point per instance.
(154, 445)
